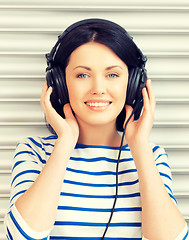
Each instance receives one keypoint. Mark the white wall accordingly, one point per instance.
(29, 29)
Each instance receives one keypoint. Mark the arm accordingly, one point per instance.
(160, 217)
(38, 205)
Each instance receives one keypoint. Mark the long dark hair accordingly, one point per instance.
(108, 34)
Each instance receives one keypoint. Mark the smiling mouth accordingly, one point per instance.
(97, 104)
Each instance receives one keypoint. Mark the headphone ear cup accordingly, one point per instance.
(59, 96)
(61, 87)
(139, 99)
(50, 82)
(133, 84)
(137, 81)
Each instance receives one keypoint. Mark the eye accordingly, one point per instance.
(112, 75)
(82, 75)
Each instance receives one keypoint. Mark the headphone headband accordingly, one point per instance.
(50, 56)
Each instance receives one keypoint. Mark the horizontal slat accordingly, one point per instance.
(19, 100)
(43, 42)
(148, 54)
(96, 7)
(10, 135)
(97, 2)
(180, 171)
(57, 31)
(148, 19)
(170, 135)
(178, 183)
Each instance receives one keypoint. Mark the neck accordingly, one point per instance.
(105, 135)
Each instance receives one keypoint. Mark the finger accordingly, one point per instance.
(68, 111)
(43, 92)
(46, 103)
(151, 94)
(146, 100)
(129, 111)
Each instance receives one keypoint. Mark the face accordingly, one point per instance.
(96, 79)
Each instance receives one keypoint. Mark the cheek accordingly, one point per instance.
(75, 95)
(120, 92)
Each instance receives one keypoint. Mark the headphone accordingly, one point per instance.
(55, 77)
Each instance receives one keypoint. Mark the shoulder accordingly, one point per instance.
(40, 147)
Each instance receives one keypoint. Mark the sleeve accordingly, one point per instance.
(162, 163)
(27, 165)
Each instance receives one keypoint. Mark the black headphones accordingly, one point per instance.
(56, 79)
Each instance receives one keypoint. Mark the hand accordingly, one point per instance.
(139, 131)
(65, 128)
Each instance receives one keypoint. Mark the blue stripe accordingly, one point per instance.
(91, 238)
(36, 143)
(100, 185)
(163, 163)
(91, 224)
(165, 175)
(50, 137)
(132, 195)
(163, 154)
(23, 152)
(25, 181)
(24, 172)
(21, 230)
(168, 188)
(155, 148)
(7, 237)
(9, 234)
(111, 160)
(39, 145)
(40, 158)
(23, 191)
(19, 162)
(124, 148)
(173, 198)
(132, 209)
(100, 173)
(186, 235)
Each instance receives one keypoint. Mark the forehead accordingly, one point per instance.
(95, 54)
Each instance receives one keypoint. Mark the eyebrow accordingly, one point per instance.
(89, 69)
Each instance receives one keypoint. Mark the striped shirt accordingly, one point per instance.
(87, 193)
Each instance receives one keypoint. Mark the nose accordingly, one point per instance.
(98, 86)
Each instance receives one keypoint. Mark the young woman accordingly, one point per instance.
(64, 186)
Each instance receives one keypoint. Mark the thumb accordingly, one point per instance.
(129, 111)
(68, 111)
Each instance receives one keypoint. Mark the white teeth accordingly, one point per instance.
(98, 104)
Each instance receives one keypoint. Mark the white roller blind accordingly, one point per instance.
(29, 29)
